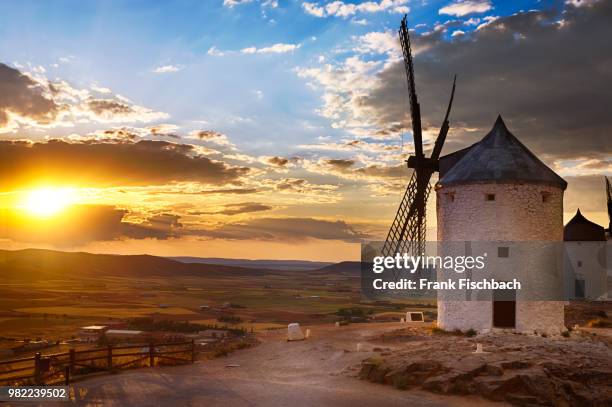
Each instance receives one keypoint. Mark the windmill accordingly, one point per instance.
(407, 232)
(609, 193)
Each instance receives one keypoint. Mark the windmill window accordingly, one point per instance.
(545, 197)
(490, 197)
(579, 263)
(503, 251)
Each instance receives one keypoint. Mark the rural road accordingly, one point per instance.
(317, 372)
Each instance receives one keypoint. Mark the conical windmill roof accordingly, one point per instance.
(499, 158)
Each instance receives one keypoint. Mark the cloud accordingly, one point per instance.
(289, 229)
(236, 209)
(167, 69)
(463, 8)
(163, 130)
(215, 52)
(233, 3)
(101, 163)
(31, 100)
(277, 161)
(351, 169)
(211, 136)
(353, 146)
(22, 97)
(279, 48)
(556, 105)
(385, 42)
(81, 224)
(341, 9)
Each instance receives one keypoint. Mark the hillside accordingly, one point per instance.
(344, 267)
(286, 265)
(38, 263)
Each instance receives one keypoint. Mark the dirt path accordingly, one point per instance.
(317, 372)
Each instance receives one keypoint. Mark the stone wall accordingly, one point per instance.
(519, 212)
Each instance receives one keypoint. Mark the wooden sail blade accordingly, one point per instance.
(407, 232)
(415, 109)
(435, 154)
(609, 193)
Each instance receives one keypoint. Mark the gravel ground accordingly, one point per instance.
(320, 371)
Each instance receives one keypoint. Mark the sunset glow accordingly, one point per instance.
(45, 202)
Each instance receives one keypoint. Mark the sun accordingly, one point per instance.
(46, 202)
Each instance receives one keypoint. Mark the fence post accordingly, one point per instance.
(193, 354)
(37, 370)
(109, 357)
(67, 375)
(151, 355)
(72, 360)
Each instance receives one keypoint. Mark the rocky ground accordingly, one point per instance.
(518, 369)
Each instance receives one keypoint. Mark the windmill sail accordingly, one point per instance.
(408, 230)
(415, 108)
(609, 195)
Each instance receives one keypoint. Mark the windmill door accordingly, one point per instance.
(504, 308)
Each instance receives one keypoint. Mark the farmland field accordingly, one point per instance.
(51, 299)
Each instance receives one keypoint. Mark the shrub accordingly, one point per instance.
(230, 319)
(470, 332)
(565, 334)
(400, 382)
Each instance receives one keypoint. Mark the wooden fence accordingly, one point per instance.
(61, 367)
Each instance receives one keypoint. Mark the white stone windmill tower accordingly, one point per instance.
(498, 191)
(493, 191)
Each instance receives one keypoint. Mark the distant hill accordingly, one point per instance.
(38, 263)
(344, 267)
(288, 265)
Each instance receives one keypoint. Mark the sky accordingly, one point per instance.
(277, 129)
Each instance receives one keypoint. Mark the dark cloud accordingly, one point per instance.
(82, 224)
(236, 209)
(207, 134)
(103, 107)
(547, 73)
(121, 134)
(23, 96)
(237, 191)
(339, 163)
(383, 171)
(346, 168)
(36, 101)
(288, 229)
(278, 161)
(97, 163)
(162, 131)
(292, 184)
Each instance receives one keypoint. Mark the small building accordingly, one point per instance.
(92, 333)
(123, 335)
(204, 307)
(585, 259)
